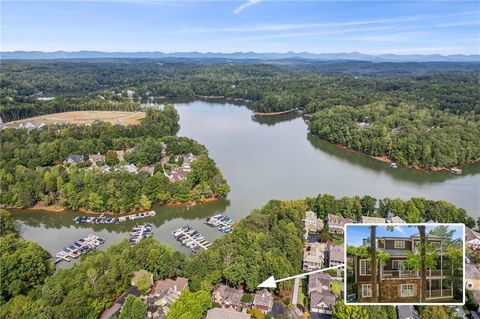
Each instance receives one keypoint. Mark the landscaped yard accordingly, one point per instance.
(336, 287)
(302, 293)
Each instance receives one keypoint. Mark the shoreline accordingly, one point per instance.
(387, 160)
(40, 207)
(272, 113)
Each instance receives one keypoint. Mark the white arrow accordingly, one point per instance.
(272, 283)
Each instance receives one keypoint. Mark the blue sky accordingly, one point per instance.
(373, 27)
(356, 233)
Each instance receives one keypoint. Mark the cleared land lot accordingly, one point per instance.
(84, 117)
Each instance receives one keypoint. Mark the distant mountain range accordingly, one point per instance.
(356, 56)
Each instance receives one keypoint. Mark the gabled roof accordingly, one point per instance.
(318, 280)
(75, 158)
(470, 234)
(326, 297)
(219, 313)
(263, 298)
(228, 294)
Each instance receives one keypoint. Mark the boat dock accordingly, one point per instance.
(78, 248)
(191, 238)
(102, 219)
(140, 232)
(221, 222)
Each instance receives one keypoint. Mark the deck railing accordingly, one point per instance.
(439, 293)
(399, 274)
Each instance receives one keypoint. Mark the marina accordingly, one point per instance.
(140, 232)
(78, 248)
(191, 238)
(221, 222)
(102, 219)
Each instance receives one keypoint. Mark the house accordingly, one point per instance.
(472, 277)
(322, 302)
(140, 275)
(178, 285)
(314, 255)
(96, 158)
(29, 126)
(336, 223)
(312, 224)
(319, 282)
(117, 305)
(336, 255)
(105, 168)
(158, 306)
(177, 175)
(396, 283)
(472, 238)
(150, 169)
(407, 312)
(74, 159)
(263, 301)
(373, 220)
(220, 313)
(131, 168)
(228, 297)
(392, 219)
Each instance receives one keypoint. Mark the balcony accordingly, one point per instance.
(438, 272)
(386, 274)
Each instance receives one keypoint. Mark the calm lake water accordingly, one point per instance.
(263, 158)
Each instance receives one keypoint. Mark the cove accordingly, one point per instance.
(263, 158)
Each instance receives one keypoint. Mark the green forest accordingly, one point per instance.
(36, 172)
(267, 242)
(418, 114)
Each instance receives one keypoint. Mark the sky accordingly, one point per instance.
(371, 27)
(356, 233)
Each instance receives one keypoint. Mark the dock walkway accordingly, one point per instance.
(78, 248)
(191, 238)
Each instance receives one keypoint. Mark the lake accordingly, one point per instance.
(263, 158)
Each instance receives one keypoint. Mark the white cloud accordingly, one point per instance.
(245, 5)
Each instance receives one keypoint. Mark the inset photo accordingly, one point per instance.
(405, 263)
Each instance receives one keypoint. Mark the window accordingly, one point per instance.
(399, 244)
(407, 290)
(398, 264)
(364, 267)
(366, 290)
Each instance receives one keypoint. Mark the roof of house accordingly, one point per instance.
(337, 252)
(150, 169)
(178, 284)
(219, 313)
(326, 296)
(372, 220)
(318, 280)
(337, 220)
(96, 158)
(263, 298)
(470, 234)
(229, 294)
(110, 312)
(472, 272)
(406, 312)
(75, 158)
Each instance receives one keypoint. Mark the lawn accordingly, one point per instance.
(302, 293)
(336, 287)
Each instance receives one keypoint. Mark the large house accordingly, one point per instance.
(336, 255)
(228, 297)
(263, 301)
(395, 282)
(336, 223)
(321, 298)
(74, 159)
(219, 313)
(312, 224)
(472, 238)
(313, 256)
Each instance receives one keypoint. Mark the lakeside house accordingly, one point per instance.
(163, 294)
(336, 223)
(263, 301)
(74, 159)
(321, 297)
(336, 255)
(131, 168)
(228, 297)
(312, 224)
(179, 174)
(221, 313)
(396, 283)
(314, 256)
